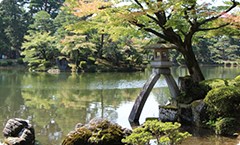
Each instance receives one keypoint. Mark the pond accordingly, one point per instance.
(55, 103)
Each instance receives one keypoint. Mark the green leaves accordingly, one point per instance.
(165, 133)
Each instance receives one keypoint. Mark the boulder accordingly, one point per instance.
(18, 132)
(98, 131)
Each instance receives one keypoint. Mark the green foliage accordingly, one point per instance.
(145, 62)
(92, 68)
(227, 126)
(39, 45)
(207, 85)
(33, 64)
(4, 63)
(80, 137)
(83, 64)
(166, 133)
(223, 101)
(47, 64)
(237, 79)
(91, 60)
(10, 62)
(20, 60)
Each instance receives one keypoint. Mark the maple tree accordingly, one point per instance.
(176, 21)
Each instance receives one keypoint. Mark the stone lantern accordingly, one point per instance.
(161, 66)
(161, 54)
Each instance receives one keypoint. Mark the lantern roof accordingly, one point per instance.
(161, 45)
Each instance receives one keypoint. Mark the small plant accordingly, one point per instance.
(20, 61)
(4, 63)
(165, 133)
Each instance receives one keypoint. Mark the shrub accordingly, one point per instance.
(33, 64)
(9, 62)
(20, 61)
(83, 64)
(91, 60)
(4, 63)
(223, 101)
(227, 126)
(167, 133)
(47, 63)
(92, 68)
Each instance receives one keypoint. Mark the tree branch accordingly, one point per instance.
(216, 17)
(139, 4)
(214, 28)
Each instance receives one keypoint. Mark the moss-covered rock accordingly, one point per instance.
(98, 132)
(223, 101)
(207, 85)
(227, 126)
(189, 90)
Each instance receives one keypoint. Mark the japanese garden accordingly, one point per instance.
(119, 72)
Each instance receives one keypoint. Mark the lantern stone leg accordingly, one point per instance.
(142, 97)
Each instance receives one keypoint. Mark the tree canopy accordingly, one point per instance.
(176, 21)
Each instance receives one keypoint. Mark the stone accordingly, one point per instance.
(198, 112)
(18, 132)
(98, 131)
(168, 113)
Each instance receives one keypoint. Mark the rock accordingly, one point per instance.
(19, 132)
(185, 113)
(98, 131)
(227, 126)
(168, 113)
(198, 112)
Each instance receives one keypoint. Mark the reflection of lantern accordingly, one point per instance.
(161, 54)
(161, 66)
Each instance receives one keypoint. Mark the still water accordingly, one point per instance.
(55, 103)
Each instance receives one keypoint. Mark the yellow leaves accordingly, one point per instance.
(83, 8)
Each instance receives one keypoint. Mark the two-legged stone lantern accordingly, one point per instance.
(160, 65)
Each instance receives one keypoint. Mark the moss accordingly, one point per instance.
(151, 119)
(237, 79)
(227, 126)
(80, 136)
(169, 107)
(223, 101)
(195, 103)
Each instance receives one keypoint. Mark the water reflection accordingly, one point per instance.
(55, 103)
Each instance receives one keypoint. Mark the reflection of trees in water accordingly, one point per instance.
(162, 95)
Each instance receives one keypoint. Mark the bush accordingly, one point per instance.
(92, 68)
(9, 62)
(223, 101)
(33, 64)
(83, 64)
(227, 126)
(91, 60)
(20, 61)
(4, 63)
(47, 63)
(167, 133)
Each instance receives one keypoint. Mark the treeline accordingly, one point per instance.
(37, 30)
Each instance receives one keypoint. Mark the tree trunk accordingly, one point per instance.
(192, 64)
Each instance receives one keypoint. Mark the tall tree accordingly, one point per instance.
(175, 21)
(52, 7)
(15, 22)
